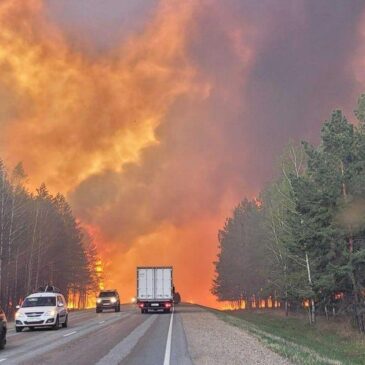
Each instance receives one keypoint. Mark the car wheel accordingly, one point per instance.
(118, 308)
(56, 326)
(31, 328)
(2, 341)
(98, 310)
(18, 329)
(65, 324)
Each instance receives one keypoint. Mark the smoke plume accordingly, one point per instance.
(156, 119)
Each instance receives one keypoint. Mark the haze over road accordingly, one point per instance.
(174, 109)
(131, 338)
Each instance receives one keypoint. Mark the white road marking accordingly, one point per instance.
(47, 341)
(101, 322)
(168, 342)
(69, 334)
(124, 348)
(5, 358)
(13, 334)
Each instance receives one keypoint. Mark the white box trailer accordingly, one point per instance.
(155, 289)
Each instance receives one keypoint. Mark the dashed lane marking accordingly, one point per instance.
(125, 347)
(69, 334)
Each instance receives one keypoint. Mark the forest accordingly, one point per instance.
(41, 243)
(301, 242)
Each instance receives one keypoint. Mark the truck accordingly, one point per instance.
(155, 289)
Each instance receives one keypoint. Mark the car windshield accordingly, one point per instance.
(39, 302)
(107, 294)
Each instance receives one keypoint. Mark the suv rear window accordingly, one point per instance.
(105, 294)
(39, 302)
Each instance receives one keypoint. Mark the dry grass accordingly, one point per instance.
(341, 325)
(331, 341)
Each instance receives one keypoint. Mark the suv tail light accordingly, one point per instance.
(141, 305)
(167, 305)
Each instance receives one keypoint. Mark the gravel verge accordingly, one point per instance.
(212, 341)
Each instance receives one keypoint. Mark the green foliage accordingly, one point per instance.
(314, 218)
(241, 263)
(360, 111)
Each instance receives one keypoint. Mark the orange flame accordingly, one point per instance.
(86, 115)
(70, 117)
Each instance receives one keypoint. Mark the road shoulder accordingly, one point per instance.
(213, 341)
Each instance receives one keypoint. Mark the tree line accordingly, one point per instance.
(302, 241)
(40, 243)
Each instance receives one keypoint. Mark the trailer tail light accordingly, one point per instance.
(167, 305)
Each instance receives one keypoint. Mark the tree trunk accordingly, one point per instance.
(356, 293)
(30, 262)
(2, 229)
(38, 264)
(309, 315)
(286, 308)
(10, 244)
(356, 303)
(312, 303)
(15, 294)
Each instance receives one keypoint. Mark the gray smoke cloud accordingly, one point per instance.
(267, 71)
(98, 25)
(299, 69)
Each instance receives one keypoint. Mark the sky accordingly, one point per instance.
(156, 117)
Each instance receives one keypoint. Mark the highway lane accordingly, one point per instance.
(148, 352)
(108, 338)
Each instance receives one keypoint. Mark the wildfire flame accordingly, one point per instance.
(71, 116)
(268, 303)
(76, 115)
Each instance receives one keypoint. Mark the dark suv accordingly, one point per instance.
(3, 329)
(108, 299)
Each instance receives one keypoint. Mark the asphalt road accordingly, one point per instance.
(108, 338)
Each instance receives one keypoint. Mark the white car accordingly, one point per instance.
(43, 309)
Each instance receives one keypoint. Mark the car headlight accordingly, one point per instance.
(113, 300)
(19, 315)
(98, 300)
(50, 313)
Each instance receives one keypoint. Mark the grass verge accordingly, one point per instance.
(326, 343)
